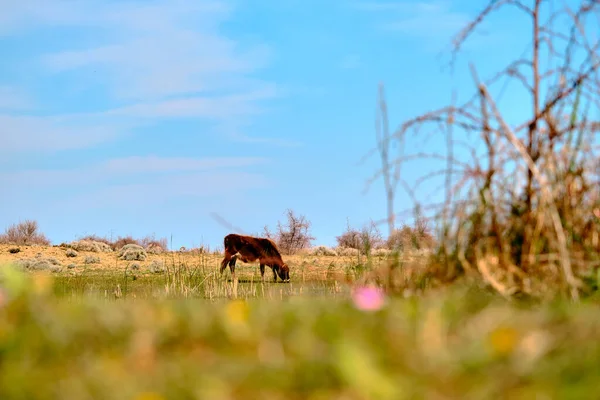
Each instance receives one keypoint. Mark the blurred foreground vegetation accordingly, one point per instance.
(459, 342)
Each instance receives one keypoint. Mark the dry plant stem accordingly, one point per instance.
(573, 282)
(383, 142)
(482, 266)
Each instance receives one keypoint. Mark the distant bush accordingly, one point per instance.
(92, 260)
(152, 242)
(293, 236)
(132, 252)
(156, 266)
(407, 238)
(91, 246)
(71, 253)
(14, 250)
(323, 251)
(40, 264)
(363, 240)
(381, 252)
(24, 233)
(96, 238)
(123, 241)
(347, 252)
(155, 247)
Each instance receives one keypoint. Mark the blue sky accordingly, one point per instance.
(144, 117)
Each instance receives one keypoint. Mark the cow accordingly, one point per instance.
(249, 249)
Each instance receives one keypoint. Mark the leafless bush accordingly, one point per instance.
(363, 240)
(520, 215)
(293, 236)
(154, 245)
(120, 242)
(24, 233)
(407, 238)
(96, 238)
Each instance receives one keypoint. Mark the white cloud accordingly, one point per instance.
(218, 107)
(431, 21)
(47, 134)
(160, 189)
(120, 169)
(147, 164)
(14, 99)
(158, 58)
(163, 48)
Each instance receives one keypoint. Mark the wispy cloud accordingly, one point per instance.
(124, 169)
(431, 21)
(163, 48)
(158, 59)
(49, 134)
(130, 195)
(14, 99)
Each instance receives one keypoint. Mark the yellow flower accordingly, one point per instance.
(237, 311)
(503, 339)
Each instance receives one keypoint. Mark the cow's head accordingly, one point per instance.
(284, 272)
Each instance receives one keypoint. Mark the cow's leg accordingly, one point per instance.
(232, 266)
(226, 259)
(274, 274)
(262, 271)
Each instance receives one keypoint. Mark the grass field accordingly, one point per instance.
(105, 331)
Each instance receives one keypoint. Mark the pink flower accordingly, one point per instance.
(368, 298)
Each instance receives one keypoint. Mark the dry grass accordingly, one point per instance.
(521, 197)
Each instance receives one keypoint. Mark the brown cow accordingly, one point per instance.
(249, 249)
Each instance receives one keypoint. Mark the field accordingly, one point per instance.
(106, 331)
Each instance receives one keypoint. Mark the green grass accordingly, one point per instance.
(187, 282)
(460, 342)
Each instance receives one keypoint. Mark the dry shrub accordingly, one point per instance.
(40, 264)
(89, 259)
(347, 252)
(322, 251)
(156, 266)
(96, 238)
(24, 233)
(293, 236)
(132, 252)
(522, 215)
(90, 246)
(154, 246)
(363, 240)
(71, 253)
(123, 241)
(408, 238)
(381, 252)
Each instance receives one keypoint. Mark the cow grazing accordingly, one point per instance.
(249, 249)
